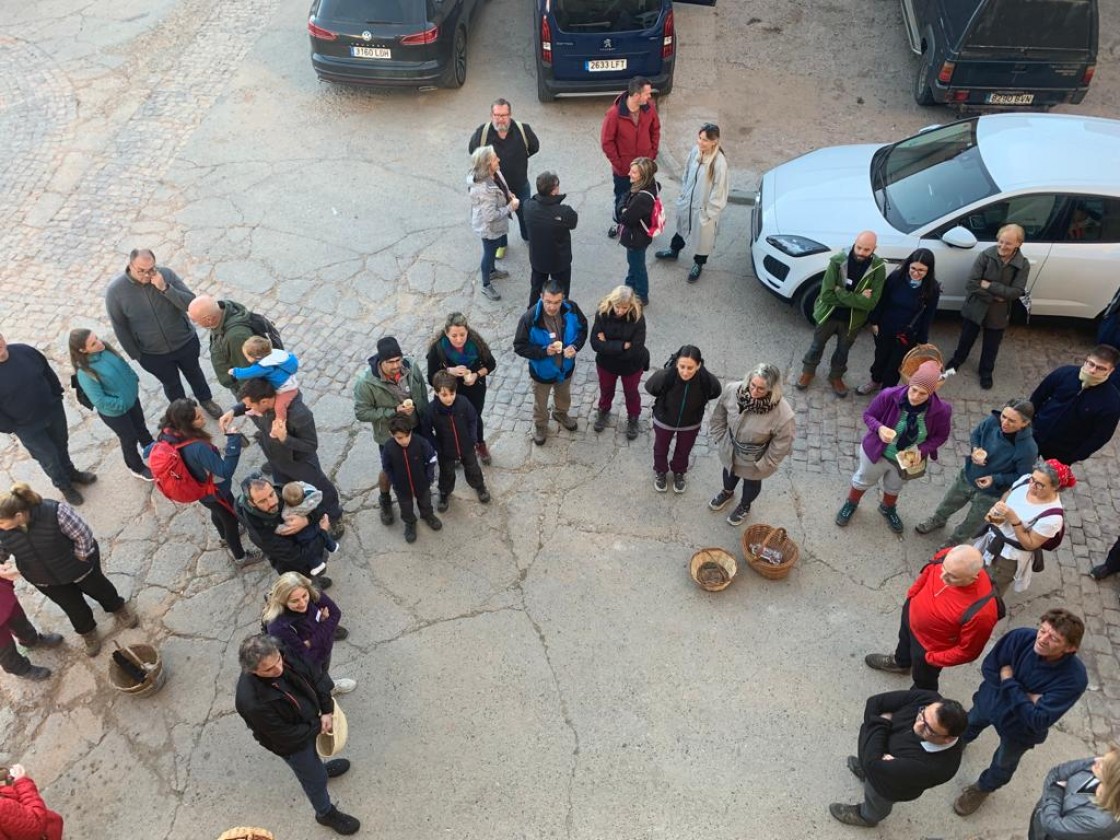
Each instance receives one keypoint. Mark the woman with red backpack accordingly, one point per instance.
(188, 467)
(638, 223)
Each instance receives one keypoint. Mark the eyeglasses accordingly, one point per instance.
(1036, 484)
(1089, 363)
(144, 272)
(923, 724)
(920, 270)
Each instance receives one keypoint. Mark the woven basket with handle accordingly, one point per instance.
(713, 568)
(914, 359)
(762, 537)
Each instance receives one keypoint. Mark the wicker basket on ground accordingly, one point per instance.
(247, 834)
(713, 568)
(918, 354)
(769, 551)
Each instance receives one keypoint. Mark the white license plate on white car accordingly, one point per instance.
(600, 65)
(1010, 98)
(371, 52)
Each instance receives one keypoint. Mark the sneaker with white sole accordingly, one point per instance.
(144, 474)
(720, 500)
(679, 482)
(343, 685)
(488, 291)
(737, 516)
(660, 482)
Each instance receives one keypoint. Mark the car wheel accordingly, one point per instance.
(807, 297)
(456, 73)
(666, 88)
(923, 93)
(543, 93)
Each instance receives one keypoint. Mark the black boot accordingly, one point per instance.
(386, 503)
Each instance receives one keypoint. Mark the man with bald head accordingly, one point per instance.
(228, 323)
(852, 286)
(948, 617)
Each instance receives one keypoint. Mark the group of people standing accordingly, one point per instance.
(630, 137)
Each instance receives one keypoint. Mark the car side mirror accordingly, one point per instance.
(959, 237)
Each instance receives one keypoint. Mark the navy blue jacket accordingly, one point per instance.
(453, 429)
(1006, 460)
(900, 304)
(411, 469)
(29, 389)
(1005, 702)
(1071, 423)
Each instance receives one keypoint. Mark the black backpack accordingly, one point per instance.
(263, 327)
(977, 605)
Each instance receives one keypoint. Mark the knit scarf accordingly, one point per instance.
(749, 405)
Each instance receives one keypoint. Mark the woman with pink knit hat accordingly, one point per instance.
(906, 426)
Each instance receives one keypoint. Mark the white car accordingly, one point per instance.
(950, 188)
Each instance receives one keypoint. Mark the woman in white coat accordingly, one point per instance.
(702, 199)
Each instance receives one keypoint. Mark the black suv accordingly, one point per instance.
(1002, 53)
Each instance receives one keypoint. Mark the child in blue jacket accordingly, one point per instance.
(410, 462)
(277, 366)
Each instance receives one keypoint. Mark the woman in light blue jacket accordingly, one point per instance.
(492, 203)
(114, 389)
(1080, 801)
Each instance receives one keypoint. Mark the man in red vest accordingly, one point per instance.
(948, 617)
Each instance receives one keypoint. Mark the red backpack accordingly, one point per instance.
(172, 477)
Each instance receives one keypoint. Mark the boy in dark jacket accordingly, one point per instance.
(451, 424)
(410, 462)
(909, 742)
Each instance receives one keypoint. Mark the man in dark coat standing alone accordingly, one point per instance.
(909, 743)
(550, 223)
(286, 707)
(1076, 409)
(31, 409)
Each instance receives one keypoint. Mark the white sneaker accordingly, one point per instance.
(344, 685)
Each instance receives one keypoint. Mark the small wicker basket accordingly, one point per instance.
(765, 537)
(247, 834)
(916, 356)
(713, 568)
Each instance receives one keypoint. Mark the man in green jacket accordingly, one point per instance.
(229, 327)
(850, 289)
(392, 385)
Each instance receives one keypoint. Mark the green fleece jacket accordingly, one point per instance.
(375, 402)
(226, 340)
(833, 293)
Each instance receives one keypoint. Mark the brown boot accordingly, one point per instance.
(970, 799)
(804, 381)
(838, 387)
(126, 618)
(93, 643)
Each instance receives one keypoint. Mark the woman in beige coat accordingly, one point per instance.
(753, 429)
(703, 197)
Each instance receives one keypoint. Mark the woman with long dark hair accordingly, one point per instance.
(681, 390)
(902, 318)
(183, 425)
(114, 389)
(462, 352)
(635, 215)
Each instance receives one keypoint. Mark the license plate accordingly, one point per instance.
(606, 64)
(1010, 98)
(371, 52)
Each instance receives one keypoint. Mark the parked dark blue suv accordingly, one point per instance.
(597, 46)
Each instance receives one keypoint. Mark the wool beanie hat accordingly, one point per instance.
(388, 348)
(927, 376)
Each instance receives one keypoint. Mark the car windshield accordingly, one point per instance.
(923, 178)
(606, 15)
(1035, 24)
(374, 11)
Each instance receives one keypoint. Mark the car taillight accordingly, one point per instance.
(960, 96)
(428, 36)
(667, 36)
(1087, 76)
(946, 73)
(319, 32)
(546, 42)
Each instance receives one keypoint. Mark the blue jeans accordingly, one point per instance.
(49, 444)
(523, 192)
(489, 250)
(1006, 757)
(637, 277)
(312, 775)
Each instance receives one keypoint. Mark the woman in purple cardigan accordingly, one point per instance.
(906, 426)
(306, 622)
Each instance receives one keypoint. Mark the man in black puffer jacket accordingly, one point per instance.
(258, 508)
(550, 223)
(286, 707)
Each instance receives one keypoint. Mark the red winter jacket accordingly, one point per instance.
(622, 141)
(23, 816)
(935, 615)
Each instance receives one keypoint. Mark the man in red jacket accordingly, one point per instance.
(631, 129)
(948, 617)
